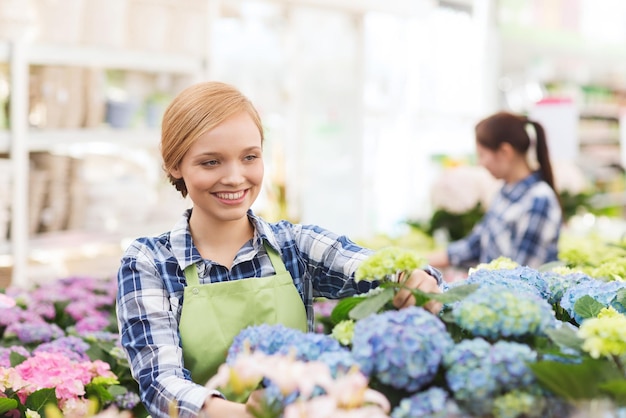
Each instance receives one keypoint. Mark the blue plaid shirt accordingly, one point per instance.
(150, 295)
(523, 224)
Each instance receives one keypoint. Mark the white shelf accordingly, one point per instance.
(110, 58)
(41, 54)
(65, 140)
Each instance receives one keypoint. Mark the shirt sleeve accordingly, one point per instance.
(537, 231)
(149, 336)
(333, 260)
(466, 250)
(330, 262)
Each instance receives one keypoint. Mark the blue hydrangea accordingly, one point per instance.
(519, 278)
(34, 332)
(128, 400)
(275, 400)
(601, 291)
(432, 403)
(72, 347)
(340, 362)
(500, 311)
(402, 348)
(492, 370)
(558, 284)
(278, 339)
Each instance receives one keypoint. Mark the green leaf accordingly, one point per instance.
(372, 304)
(588, 307)
(617, 390)
(38, 399)
(16, 358)
(341, 311)
(574, 381)
(565, 337)
(454, 294)
(7, 404)
(99, 391)
(620, 297)
(421, 298)
(117, 390)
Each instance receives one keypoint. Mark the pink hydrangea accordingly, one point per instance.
(6, 301)
(54, 370)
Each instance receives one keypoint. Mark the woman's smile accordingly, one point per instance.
(231, 198)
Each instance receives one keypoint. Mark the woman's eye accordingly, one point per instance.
(210, 163)
(251, 157)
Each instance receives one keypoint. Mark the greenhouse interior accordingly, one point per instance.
(443, 181)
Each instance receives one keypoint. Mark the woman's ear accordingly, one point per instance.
(507, 150)
(175, 172)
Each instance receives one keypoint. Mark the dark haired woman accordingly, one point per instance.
(524, 220)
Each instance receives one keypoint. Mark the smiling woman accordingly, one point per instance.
(184, 295)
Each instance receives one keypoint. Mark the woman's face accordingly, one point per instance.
(223, 169)
(493, 160)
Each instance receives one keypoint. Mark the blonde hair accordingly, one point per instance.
(195, 111)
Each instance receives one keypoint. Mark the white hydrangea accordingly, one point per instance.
(569, 177)
(459, 189)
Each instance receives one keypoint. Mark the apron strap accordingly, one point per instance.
(191, 274)
(277, 262)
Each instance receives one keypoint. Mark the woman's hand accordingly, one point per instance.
(254, 402)
(218, 407)
(420, 280)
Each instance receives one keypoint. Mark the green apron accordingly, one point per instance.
(214, 313)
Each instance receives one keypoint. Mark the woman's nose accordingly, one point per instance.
(234, 174)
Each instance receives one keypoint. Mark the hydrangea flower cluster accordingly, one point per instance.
(344, 331)
(278, 339)
(500, 311)
(492, 370)
(604, 335)
(74, 348)
(55, 371)
(33, 332)
(522, 278)
(559, 281)
(301, 388)
(432, 403)
(500, 263)
(385, 264)
(518, 403)
(401, 348)
(603, 292)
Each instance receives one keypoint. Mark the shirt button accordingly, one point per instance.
(195, 291)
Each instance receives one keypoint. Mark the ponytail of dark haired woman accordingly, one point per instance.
(543, 157)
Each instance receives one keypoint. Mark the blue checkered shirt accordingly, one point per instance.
(150, 295)
(523, 223)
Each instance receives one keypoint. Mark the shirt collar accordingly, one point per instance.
(515, 191)
(186, 253)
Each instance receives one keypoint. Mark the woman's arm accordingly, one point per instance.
(148, 325)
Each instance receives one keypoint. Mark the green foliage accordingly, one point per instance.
(565, 337)
(7, 404)
(38, 400)
(576, 381)
(457, 225)
(16, 358)
(372, 304)
(588, 307)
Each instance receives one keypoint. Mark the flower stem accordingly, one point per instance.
(619, 364)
